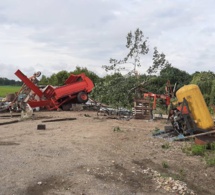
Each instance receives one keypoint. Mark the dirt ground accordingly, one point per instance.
(93, 156)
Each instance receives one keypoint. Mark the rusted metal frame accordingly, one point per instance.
(31, 85)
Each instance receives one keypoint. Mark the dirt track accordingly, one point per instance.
(93, 156)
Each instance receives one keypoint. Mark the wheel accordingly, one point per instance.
(82, 97)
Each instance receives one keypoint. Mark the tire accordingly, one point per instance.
(82, 97)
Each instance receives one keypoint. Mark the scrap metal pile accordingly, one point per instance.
(191, 115)
(75, 90)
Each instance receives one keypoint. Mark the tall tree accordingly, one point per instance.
(206, 82)
(137, 45)
(175, 75)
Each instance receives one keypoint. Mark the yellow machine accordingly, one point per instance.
(197, 106)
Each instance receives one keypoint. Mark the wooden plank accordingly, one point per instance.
(9, 122)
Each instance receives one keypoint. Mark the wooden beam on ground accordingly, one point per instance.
(9, 122)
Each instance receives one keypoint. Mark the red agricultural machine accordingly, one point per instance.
(75, 90)
(143, 107)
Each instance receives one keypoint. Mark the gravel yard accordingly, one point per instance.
(95, 155)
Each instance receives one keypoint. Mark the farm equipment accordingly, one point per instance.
(143, 107)
(191, 116)
(75, 90)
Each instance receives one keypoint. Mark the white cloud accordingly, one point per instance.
(57, 35)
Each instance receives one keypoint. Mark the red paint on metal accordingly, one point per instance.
(157, 96)
(52, 98)
(31, 85)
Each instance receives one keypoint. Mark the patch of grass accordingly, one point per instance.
(198, 150)
(165, 146)
(210, 161)
(86, 115)
(117, 129)
(194, 149)
(165, 164)
(5, 90)
(207, 151)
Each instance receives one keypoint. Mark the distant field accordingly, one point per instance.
(4, 90)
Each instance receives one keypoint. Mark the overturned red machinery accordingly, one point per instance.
(75, 90)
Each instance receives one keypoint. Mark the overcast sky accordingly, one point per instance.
(54, 35)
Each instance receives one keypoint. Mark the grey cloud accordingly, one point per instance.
(96, 30)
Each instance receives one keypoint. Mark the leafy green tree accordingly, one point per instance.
(44, 80)
(175, 75)
(94, 77)
(206, 82)
(115, 90)
(61, 77)
(53, 80)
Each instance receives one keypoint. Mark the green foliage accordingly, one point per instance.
(165, 164)
(5, 90)
(53, 80)
(58, 79)
(117, 129)
(210, 161)
(115, 90)
(174, 75)
(194, 149)
(206, 82)
(6, 81)
(94, 77)
(44, 80)
(198, 150)
(159, 62)
(62, 77)
(156, 84)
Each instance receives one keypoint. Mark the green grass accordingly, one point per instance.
(206, 151)
(198, 150)
(5, 90)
